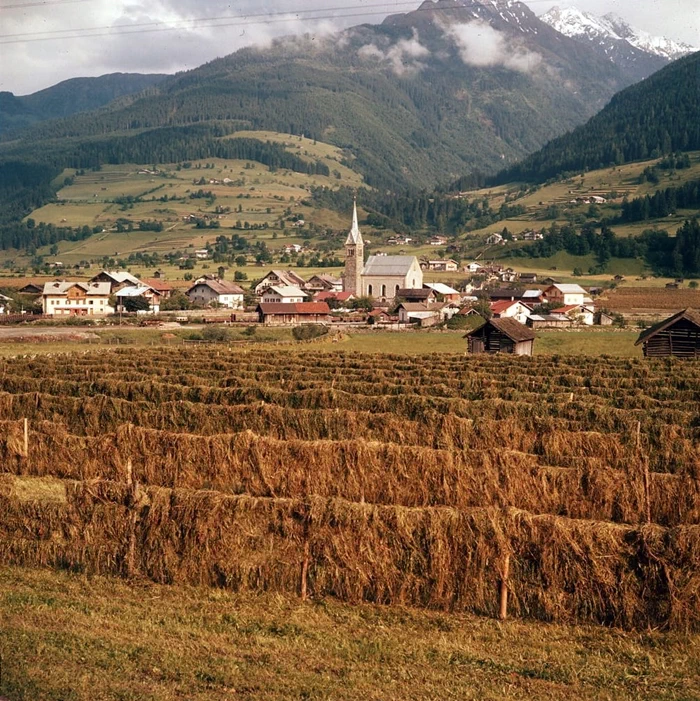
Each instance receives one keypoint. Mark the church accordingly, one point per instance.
(381, 277)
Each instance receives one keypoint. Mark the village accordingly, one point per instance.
(385, 291)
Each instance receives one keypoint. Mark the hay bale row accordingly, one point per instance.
(560, 569)
(380, 473)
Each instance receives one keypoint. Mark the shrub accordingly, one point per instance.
(217, 334)
(308, 331)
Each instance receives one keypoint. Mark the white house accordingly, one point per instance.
(438, 241)
(4, 304)
(221, 292)
(201, 253)
(61, 298)
(494, 239)
(565, 295)
(578, 313)
(510, 309)
(472, 268)
(443, 265)
(287, 294)
(383, 276)
(151, 295)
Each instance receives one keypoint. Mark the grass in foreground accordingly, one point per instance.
(69, 637)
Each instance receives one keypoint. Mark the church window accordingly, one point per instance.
(369, 290)
(397, 289)
(383, 290)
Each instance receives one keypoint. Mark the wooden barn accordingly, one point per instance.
(504, 335)
(678, 335)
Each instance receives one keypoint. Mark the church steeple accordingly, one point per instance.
(354, 235)
(354, 256)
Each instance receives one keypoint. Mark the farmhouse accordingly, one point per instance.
(578, 313)
(221, 292)
(293, 313)
(442, 265)
(279, 278)
(438, 241)
(287, 294)
(565, 295)
(510, 310)
(549, 321)
(116, 279)
(425, 295)
(528, 278)
(4, 304)
(31, 289)
(159, 286)
(449, 294)
(423, 314)
(61, 298)
(679, 335)
(472, 268)
(501, 336)
(320, 283)
(152, 296)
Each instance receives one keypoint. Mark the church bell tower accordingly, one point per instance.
(354, 257)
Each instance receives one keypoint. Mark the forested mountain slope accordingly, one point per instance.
(69, 97)
(655, 117)
(453, 87)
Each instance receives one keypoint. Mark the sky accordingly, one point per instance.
(45, 42)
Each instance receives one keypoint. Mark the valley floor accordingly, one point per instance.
(71, 637)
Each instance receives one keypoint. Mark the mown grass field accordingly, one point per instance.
(597, 342)
(70, 637)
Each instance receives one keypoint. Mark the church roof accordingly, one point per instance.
(354, 235)
(388, 266)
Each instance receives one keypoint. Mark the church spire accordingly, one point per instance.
(354, 236)
(354, 256)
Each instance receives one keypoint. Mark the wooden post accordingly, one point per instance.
(503, 590)
(305, 570)
(133, 515)
(26, 438)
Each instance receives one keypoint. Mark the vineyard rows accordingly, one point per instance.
(435, 481)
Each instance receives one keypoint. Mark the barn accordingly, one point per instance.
(501, 336)
(679, 335)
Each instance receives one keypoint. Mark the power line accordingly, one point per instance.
(241, 21)
(40, 4)
(246, 17)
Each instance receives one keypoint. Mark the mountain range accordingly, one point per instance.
(70, 97)
(455, 86)
(637, 52)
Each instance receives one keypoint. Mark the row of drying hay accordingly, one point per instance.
(230, 362)
(383, 473)
(224, 388)
(670, 447)
(560, 569)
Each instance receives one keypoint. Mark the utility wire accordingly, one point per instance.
(241, 21)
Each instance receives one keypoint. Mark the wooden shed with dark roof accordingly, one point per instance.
(679, 335)
(501, 336)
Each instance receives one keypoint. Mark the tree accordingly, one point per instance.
(136, 304)
(178, 300)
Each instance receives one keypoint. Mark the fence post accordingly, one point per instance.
(305, 568)
(133, 515)
(503, 590)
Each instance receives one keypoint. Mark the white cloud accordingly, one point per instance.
(403, 56)
(479, 44)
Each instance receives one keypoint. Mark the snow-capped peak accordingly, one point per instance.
(574, 23)
(578, 24)
(660, 46)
